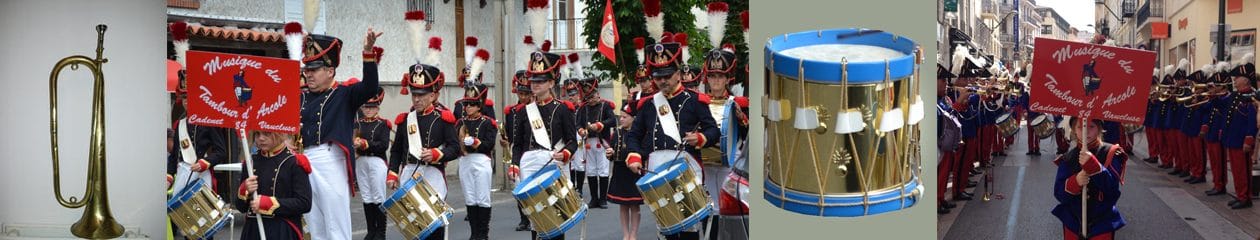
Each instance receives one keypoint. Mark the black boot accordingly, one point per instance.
(578, 178)
(484, 224)
(379, 221)
(603, 192)
(524, 224)
(370, 216)
(594, 189)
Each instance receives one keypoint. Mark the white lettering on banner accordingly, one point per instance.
(272, 73)
(1119, 117)
(1117, 99)
(197, 119)
(280, 127)
(214, 65)
(266, 109)
(1063, 95)
(1063, 54)
(1124, 64)
(1037, 107)
(217, 106)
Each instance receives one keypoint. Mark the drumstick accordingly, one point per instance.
(249, 163)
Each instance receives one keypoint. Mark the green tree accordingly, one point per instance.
(631, 24)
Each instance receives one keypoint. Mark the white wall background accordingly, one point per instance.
(36, 34)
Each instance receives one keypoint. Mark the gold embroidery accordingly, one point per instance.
(184, 144)
(536, 124)
(662, 110)
(411, 129)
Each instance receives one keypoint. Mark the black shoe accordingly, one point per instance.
(1184, 174)
(1003, 154)
(1196, 180)
(1037, 153)
(1240, 205)
(942, 210)
(1214, 192)
(1175, 172)
(522, 227)
(1165, 166)
(972, 183)
(962, 197)
(948, 204)
(1149, 160)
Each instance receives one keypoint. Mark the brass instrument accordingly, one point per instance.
(97, 220)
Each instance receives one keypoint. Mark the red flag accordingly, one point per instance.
(608, 37)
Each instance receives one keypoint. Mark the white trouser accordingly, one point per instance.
(532, 161)
(578, 159)
(184, 175)
(475, 176)
(594, 159)
(329, 217)
(371, 172)
(432, 176)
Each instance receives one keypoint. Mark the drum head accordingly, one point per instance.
(730, 133)
(1039, 120)
(534, 184)
(829, 71)
(184, 195)
(662, 174)
(1003, 117)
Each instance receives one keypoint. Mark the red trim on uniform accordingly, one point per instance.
(296, 230)
(1071, 186)
(267, 204)
(350, 178)
(569, 104)
(393, 176)
(402, 117)
(1248, 142)
(205, 165)
(703, 98)
(1092, 166)
(1111, 154)
(615, 197)
(242, 193)
(567, 155)
(599, 126)
(436, 153)
(476, 142)
(303, 162)
(700, 139)
(374, 55)
(514, 170)
(633, 158)
(448, 116)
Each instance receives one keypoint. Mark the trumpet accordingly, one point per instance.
(97, 220)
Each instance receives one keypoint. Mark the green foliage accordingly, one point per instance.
(631, 23)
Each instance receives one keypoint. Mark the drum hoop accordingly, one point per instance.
(890, 192)
(837, 83)
(433, 226)
(566, 225)
(184, 195)
(521, 193)
(661, 177)
(689, 221)
(870, 71)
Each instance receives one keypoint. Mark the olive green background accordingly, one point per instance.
(911, 19)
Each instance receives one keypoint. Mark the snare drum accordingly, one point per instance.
(197, 211)
(550, 202)
(676, 196)
(1043, 127)
(1006, 125)
(863, 82)
(416, 209)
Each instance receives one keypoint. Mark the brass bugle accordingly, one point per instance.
(97, 221)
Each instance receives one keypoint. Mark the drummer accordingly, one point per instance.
(719, 68)
(425, 139)
(621, 190)
(282, 186)
(549, 136)
(371, 169)
(328, 118)
(643, 82)
(475, 172)
(1101, 167)
(672, 122)
(593, 114)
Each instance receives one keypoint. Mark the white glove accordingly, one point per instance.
(468, 141)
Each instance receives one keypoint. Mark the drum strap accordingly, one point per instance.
(415, 143)
(669, 124)
(185, 143)
(537, 125)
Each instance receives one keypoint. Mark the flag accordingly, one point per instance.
(608, 33)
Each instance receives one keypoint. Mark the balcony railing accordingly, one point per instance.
(1144, 12)
(989, 10)
(1128, 7)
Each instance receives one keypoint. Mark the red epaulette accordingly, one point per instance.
(742, 101)
(447, 116)
(402, 118)
(387, 123)
(569, 104)
(493, 123)
(489, 102)
(303, 162)
(639, 105)
(703, 98)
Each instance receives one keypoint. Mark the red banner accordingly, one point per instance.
(608, 36)
(241, 91)
(1081, 79)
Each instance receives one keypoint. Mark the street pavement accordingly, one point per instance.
(1154, 204)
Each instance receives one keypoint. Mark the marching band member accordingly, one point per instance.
(671, 122)
(475, 166)
(1192, 126)
(719, 74)
(577, 171)
(621, 189)
(1152, 113)
(1100, 166)
(426, 137)
(594, 115)
(1241, 124)
(947, 164)
(643, 82)
(370, 143)
(546, 131)
(1213, 127)
(1177, 120)
(282, 186)
(328, 118)
(524, 97)
(968, 108)
(1164, 124)
(475, 61)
